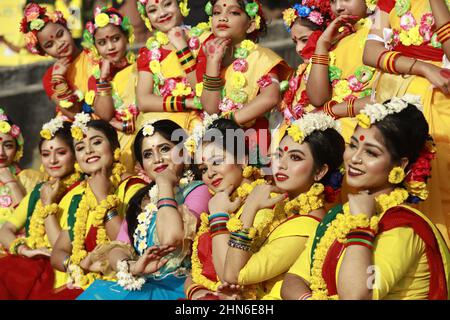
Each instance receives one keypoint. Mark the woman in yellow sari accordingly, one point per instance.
(409, 45)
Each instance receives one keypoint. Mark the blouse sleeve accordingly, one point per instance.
(197, 200)
(302, 267)
(272, 260)
(46, 82)
(395, 252)
(386, 5)
(143, 60)
(19, 217)
(123, 233)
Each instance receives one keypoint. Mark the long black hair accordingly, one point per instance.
(165, 128)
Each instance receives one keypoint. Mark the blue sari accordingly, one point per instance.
(165, 284)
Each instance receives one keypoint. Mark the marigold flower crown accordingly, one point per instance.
(50, 128)
(252, 8)
(7, 127)
(103, 17)
(35, 19)
(141, 4)
(316, 11)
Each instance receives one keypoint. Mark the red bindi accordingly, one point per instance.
(286, 148)
(224, 4)
(362, 138)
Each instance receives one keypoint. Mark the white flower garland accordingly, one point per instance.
(309, 123)
(53, 126)
(194, 140)
(126, 280)
(144, 220)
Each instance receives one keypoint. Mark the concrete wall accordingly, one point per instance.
(22, 95)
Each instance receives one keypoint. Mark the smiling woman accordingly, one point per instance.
(163, 214)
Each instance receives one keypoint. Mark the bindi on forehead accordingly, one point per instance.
(362, 138)
(286, 148)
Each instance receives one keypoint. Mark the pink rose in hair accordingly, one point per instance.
(15, 131)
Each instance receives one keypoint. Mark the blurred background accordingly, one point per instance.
(21, 91)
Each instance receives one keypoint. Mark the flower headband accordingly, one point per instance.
(318, 12)
(50, 128)
(373, 113)
(141, 4)
(103, 17)
(79, 126)
(35, 18)
(371, 4)
(6, 127)
(253, 10)
(194, 140)
(309, 123)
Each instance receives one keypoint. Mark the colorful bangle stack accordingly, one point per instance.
(61, 88)
(167, 202)
(16, 244)
(193, 288)
(187, 60)
(389, 62)
(322, 59)
(351, 107)
(305, 296)
(212, 83)
(380, 57)
(218, 223)
(443, 33)
(328, 108)
(128, 126)
(240, 240)
(174, 104)
(361, 237)
(104, 88)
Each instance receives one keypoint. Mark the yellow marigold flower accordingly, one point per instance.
(46, 134)
(289, 16)
(155, 67)
(396, 175)
(363, 120)
(181, 90)
(148, 24)
(89, 97)
(117, 154)
(404, 38)
(258, 22)
(295, 133)
(418, 189)
(341, 90)
(190, 145)
(203, 26)
(102, 20)
(162, 38)
(199, 89)
(238, 80)
(65, 104)
(252, 233)
(77, 133)
(248, 172)
(234, 224)
(248, 45)
(184, 9)
(5, 127)
(316, 189)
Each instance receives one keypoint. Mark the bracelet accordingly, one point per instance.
(379, 58)
(197, 103)
(125, 279)
(111, 215)
(66, 262)
(174, 104)
(238, 245)
(305, 296)
(320, 59)
(193, 288)
(328, 108)
(49, 210)
(443, 33)
(389, 62)
(16, 244)
(167, 202)
(404, 76)
(212, 83)
(351, 107)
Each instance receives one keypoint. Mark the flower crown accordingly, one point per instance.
(103, 17)
(318, 12)
(309, 123)
(6, 127)
(252, 8)
(373, 113)
(50, 128)
(35, 18)
(141, 4)
(148, 128)
(79, 126)
(371, 4)
(193, 141)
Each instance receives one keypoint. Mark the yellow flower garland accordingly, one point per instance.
(307, 202)
(338, 230)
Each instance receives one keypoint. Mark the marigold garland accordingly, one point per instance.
(306, 202)
(338, 230)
